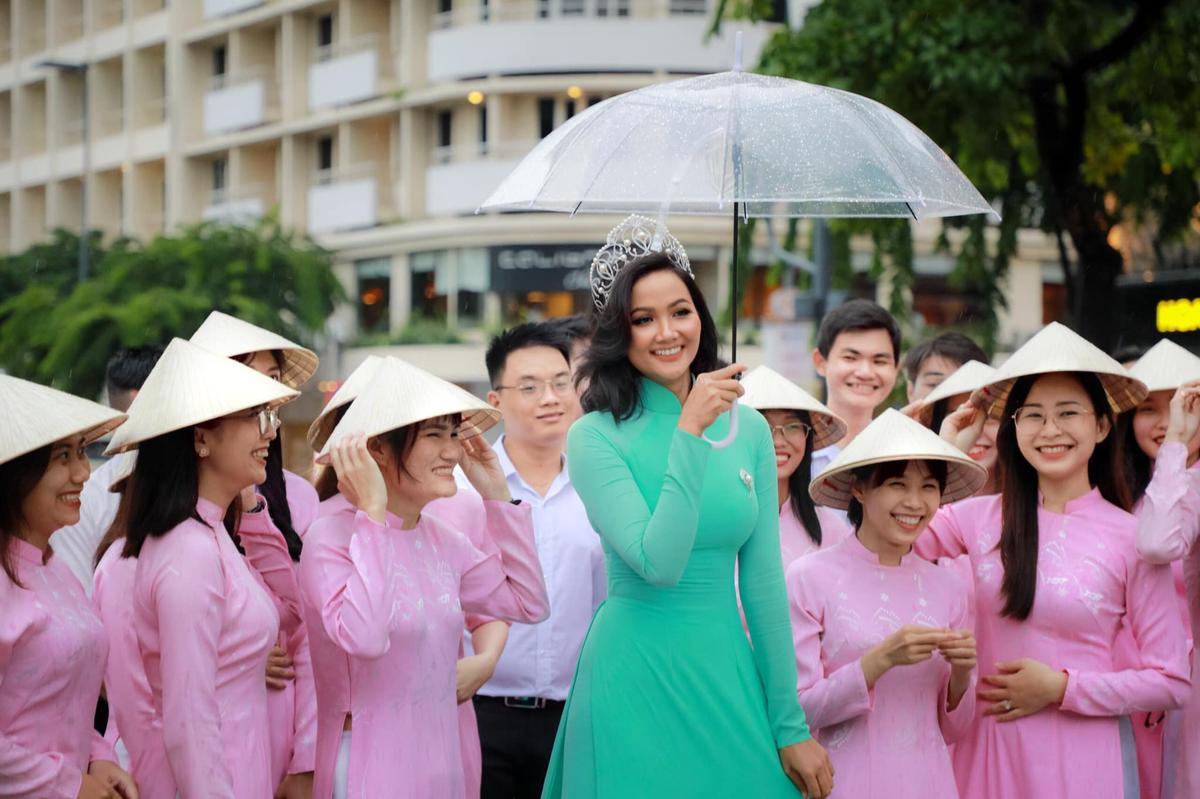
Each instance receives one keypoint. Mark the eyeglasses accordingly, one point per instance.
(528, 389)
(268, 419)
(1031, 420)
(793, 430)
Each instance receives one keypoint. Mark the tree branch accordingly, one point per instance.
(1147, 15)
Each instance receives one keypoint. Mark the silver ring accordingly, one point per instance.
(1007, 705)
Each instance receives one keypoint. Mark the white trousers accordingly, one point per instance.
(341, 772)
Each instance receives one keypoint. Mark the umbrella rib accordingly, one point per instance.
(840, 97)
(566, 145)
(600, 169)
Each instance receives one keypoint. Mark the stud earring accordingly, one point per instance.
(203, 452)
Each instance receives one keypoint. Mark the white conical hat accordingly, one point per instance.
(190, 385)
(351, 387)
(766, 389)
(1166, 366)
(37, 415)
(123, 463)
(966, 379)
(229, 336)
(895, 437)
(400, 394)
(1057, 348)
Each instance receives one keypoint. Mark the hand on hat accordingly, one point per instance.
(1183, 420)
(482, 467)
(963, 427)
(712, 394)
(360, 480)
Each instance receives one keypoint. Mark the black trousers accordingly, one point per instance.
(516, 745)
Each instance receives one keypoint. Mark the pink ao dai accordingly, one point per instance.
(385, 616)
(52, 654)
(794, 541)
(205, 624)
(1090, 582)
(1168, 525)
(890, 740)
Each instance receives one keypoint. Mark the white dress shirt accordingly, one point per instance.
(821, 458)
(76, 545)
(539, 659)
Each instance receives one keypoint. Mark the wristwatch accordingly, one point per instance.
(514, 501)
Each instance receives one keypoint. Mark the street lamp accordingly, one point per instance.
(79, 68)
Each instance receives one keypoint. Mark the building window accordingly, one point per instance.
(324, 36)
(445, 126)
(219, 168)
(374, 277)
(569, 107)
(687, 7)
(445, 6)
(430, 279)
(218, 65)
(483, 129)
(572, 8)
(545, 116)
(325, 159)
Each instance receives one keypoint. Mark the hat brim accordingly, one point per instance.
(963, 479)
(1122, 391)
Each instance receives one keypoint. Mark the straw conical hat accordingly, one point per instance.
(766, 389)
(1057, 348)
(400, 394)
(37, 415)
(229, 336)
(360, 378)
(190, 385)
(966, 379)
(1166, 366)
(895, 437)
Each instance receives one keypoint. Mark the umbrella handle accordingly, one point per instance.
(733, 430)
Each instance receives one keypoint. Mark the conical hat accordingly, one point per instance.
(123, 463)
(1057, 348)
(229, 336)
(400, 394)
(895, 437)
(37, 415)
(351, 387)
(1166, 366)
(966, 379)
(190, 385)
(766, 389)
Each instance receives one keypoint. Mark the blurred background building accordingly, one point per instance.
(377, 127)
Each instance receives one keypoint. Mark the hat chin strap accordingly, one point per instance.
(733, 430)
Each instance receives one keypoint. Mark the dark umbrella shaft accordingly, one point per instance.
(734, 269)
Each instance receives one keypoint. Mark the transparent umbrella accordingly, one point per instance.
(741, 144)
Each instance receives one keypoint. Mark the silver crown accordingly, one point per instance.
(634, 237)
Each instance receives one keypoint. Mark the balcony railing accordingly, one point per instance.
(564, 9)
(347, 198)
(240, 101)
(347, 72)
(242, 205)
(478, 151)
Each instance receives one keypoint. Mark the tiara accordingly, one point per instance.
(634, 237)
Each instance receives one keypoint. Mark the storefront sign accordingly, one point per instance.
(540, 267)
(1178, 316)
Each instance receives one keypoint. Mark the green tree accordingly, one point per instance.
(1070, 115)
(57, 331)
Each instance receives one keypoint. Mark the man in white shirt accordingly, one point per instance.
(519, 708)
(76, 545)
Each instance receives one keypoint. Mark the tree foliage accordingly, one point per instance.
(57, 331)
(1070, 115)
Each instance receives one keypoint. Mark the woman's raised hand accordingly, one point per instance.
(481, 465)
(963, 427)
(1183, 420)
(712, 394)
(360, 480)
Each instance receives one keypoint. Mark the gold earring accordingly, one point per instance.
(203, 452)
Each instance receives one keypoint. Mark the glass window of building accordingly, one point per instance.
(687, 7)
(374, 276)
(430, 297)
(220, 167)
(219, 65)
(324, 36)
(545, 116)
(483, 129)
(325, 159)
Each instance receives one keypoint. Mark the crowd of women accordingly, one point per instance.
(986, 594)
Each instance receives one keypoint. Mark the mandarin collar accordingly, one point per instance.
(1088, 500)
(659, 398)
(28, 552)
(860, 551)
(210, 512)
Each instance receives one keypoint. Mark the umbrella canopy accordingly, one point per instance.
(774, 146)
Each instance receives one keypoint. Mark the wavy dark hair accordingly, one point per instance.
(1138, 466)
(161, 493)
(612, 381)
(875, 474)
(18, 477)
(801, 503)
(1019, 496)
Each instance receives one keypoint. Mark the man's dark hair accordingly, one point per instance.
(951, 346)
(853, 316)
(530, 334)
(576, 327)
(128, 369)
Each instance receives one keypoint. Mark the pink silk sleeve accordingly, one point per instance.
(827, 698)
(267, 553)
(304, 741)
(465, 513)
(956, 723)
(101, 749)
(1162, 682)
(354, 590)
(188, 594)
(943, 538)
(504, 578)
(1169, 515)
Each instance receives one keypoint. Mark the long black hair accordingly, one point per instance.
(876, 474)
(612, 381)
(1019, 497)
(801, 503)
(1138, 466)
(17, 478)
(162, 493)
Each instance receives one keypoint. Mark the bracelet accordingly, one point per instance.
(514, 502)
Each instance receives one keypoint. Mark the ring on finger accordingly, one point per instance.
(1007, 705)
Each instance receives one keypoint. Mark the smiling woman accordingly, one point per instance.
(52, 645)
